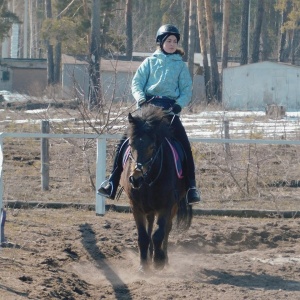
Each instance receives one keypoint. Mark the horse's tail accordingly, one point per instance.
(184, 215)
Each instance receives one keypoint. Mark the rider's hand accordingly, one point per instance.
(176, 109)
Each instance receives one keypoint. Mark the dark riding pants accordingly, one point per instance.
(181, 136)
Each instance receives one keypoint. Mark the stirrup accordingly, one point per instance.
(102, 190)
(196, 199)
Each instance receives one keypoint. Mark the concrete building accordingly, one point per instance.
(255, 86)
(24, 76)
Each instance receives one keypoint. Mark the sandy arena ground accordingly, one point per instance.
(74, 254)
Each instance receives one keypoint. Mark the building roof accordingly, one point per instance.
(24, 63)
(106, 64)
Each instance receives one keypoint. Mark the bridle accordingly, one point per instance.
(149, 163)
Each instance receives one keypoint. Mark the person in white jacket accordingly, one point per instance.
(163, 80)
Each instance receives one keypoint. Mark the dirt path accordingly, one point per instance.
(74, 254)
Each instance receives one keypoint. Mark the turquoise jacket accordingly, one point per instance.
(163, 75)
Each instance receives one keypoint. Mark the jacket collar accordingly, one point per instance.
(159, 54)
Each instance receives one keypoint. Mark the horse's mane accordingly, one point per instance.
(152, 121)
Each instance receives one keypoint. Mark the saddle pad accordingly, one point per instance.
(174, 146)
(126, 155)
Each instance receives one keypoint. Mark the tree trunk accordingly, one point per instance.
(214, 72)
(50, 61)
(257, 31)
(225, 35)
(244, 32)
(265, 47)
(128, 17)
(185, 40)
(57, 64)
(295, 53)
(192, 34)
(95, 97)
(283, 51)
(202, 37)
(33, 29)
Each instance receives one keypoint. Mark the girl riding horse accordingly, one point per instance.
(162, 80)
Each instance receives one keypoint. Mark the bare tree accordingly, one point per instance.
(270, 17)
(192, 36)
(95, 95)
(202, 37)
(50, 60)
(185, 40)
(282, 40)
(225, 33)
(257, 31)
(57, 64)
(128, 18)
(244, 32)
(214, 72)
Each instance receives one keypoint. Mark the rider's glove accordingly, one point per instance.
(176, 109)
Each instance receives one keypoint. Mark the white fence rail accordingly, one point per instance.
(101, 153)
(100, 163)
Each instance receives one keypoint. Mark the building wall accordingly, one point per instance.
(116, 85)
(255, 86)
(29, 81)
(75, 83)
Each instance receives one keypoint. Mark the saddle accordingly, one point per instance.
(176, 150)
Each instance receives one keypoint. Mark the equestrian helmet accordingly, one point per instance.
(165, 31)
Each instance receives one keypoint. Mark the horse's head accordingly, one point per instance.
(146, 133)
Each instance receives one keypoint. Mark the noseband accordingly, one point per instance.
(149, 163)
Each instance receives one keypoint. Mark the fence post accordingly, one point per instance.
(1, 169)
(226, 135)
(2, 223)
(45, 128)
(100, 174)
(2, 211)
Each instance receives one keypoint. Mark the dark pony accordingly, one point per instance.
(150, 180)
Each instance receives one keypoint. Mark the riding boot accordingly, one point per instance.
(192, 194)
(109, 187)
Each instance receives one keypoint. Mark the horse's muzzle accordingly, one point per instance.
(136, 183)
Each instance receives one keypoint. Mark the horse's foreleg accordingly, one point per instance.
(150, 219)
(143, 240)
(168, 230)
(158, 237)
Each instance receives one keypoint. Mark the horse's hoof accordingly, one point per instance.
(159, 265)
(159, 260)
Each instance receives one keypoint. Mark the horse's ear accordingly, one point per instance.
(130, 118)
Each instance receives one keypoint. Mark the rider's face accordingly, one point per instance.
(170, 44)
